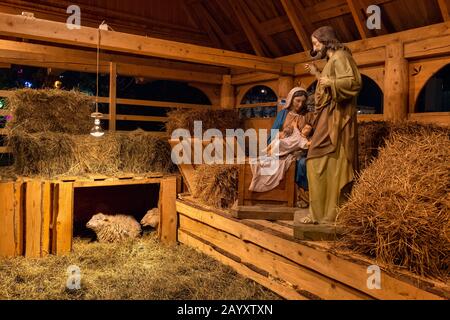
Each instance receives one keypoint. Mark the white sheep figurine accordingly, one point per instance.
(115, 228)
(151, 219)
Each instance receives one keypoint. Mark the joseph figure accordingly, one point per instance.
(333, 156)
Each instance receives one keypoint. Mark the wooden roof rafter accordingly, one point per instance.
(300, 23)
(444, 9)
(248, 29)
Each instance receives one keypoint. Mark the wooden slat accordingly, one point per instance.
(254, 105)
(274, 264)
(136, 118)
(10, 219)
(283, 289)
(38, 29)
(162, 104)
(33, 219)
(110, 183)
(167, 208)
(63, 222)
(5, 150)
(353, 273)
(47, 212)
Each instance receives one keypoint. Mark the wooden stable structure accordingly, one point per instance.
(224, 49)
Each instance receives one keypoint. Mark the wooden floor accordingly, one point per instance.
(267, 252)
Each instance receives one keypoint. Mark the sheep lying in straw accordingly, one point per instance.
(151, 219)
(114, 228)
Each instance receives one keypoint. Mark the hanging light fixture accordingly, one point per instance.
(97, 130)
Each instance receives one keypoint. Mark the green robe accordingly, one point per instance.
(333, 155)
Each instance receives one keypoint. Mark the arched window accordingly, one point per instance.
(263, 95)
(435, 95)
(370, 99)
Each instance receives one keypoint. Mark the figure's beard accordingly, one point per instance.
(317, 55)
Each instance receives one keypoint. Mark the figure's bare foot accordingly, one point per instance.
(302, 204)
(308, 220)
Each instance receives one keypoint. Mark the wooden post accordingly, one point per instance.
(112, 95)
(285, 84)
(168, 212)
(227, 99)
(396, 83)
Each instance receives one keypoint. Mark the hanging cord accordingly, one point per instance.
(99, 36)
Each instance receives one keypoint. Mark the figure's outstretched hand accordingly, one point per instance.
(312, 69)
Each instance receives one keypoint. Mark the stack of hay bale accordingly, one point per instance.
(49, 137)
(399, 209)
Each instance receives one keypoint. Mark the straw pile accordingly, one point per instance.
(49, 137)
(211, 119)
(143, 270)
(216, 185)
(399, 209)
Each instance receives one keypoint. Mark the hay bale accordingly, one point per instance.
(399, 209)
(53, 154)
(216, 185)
(95, 155)
(50, 111)
(41, 154)
(211, 119)
(142, 152)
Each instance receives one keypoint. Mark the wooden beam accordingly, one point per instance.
(112, 96)
(444, 9)
(244, 23)
(361, 46)
(19, 26)
(355, 11)
(300, 31)
(85, 61)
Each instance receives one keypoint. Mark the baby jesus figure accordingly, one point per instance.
(291, 138)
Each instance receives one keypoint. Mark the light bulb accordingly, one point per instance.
(97, 130)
